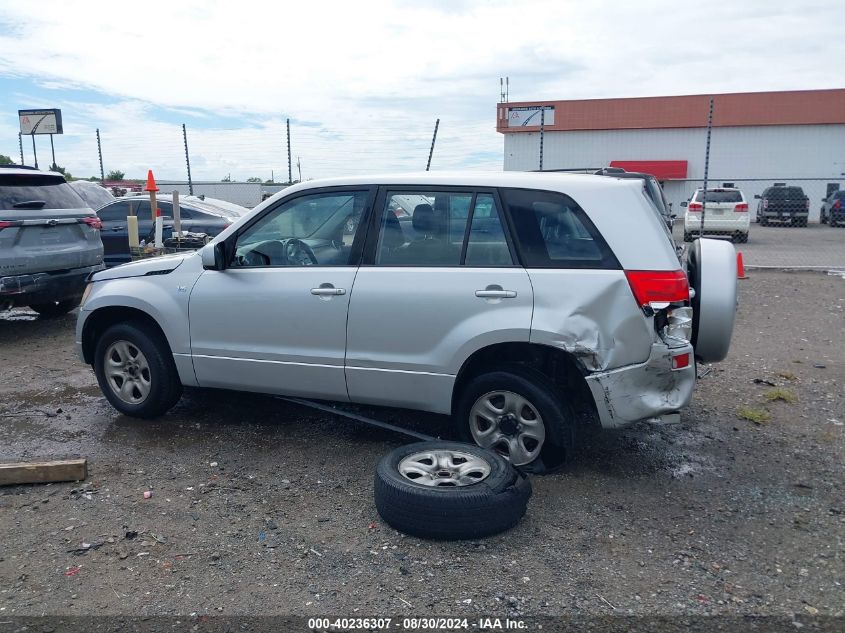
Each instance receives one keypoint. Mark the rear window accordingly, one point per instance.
(784, 193)
(554, 232)
(719, 195)
(52, 190)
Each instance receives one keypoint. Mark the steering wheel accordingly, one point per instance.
(298, 253)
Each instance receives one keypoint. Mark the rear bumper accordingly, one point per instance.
(726, 223)
(784, 215)
(648, 390)
(45, 287)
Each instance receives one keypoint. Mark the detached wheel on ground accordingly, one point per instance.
(56, 308)
(449, 490)
(135, 370)
(520, 414)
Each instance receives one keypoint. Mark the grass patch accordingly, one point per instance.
(787, 375)
(779, 393)
(757, 416)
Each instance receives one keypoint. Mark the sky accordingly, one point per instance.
(364, 82)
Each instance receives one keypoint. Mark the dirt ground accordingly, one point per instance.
(265, 507)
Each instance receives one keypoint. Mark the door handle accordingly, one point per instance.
(328, 291)
(495, 294)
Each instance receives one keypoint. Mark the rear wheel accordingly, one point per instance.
(518, 413)
(56, 308)
(687, 237)
(135, 370)
(741, 238)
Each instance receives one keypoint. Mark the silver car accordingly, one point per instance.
(519, 303)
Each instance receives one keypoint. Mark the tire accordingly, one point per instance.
(712, 272)
(763, 221)
(687, 237)
(56, 308)
(801, 223)
(556, 433)
(156, 382)
(741, 238)
(440, 508)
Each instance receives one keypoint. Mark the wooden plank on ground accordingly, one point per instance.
(43, 472)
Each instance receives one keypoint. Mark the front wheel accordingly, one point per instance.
(56, 308)
(519, 414)
(135, 370)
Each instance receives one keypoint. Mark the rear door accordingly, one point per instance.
(42, 227)
(425, 299)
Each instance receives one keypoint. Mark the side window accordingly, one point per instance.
(433, 234)
(140, 207)
(487, 245)
(311, 230)
(554, 232)
(114, 212)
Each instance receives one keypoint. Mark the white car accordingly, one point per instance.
(725, 212)
(519, 303)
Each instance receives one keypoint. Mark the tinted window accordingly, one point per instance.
(53, 191)
(839, 195)
(784, 193)
(719, 195)
(310, 230)
(554, 232)
(432, 236)
(116, 212)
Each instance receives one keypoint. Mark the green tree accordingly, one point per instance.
(5, 160)
(254, 179)
(64, 172)
(115, 174)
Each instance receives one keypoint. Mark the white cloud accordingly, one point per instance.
(375, 75)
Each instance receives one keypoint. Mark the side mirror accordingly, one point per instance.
(214, 256)
(684, 203)
(757, 196)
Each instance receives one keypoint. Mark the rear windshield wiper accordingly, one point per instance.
(30, 204)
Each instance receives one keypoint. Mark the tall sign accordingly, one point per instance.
(48, 121)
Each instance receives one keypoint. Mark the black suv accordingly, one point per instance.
(782, 204)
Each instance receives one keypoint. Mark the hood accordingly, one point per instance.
(161, 265)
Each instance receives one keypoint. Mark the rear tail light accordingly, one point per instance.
(741, 207)
(658, 286)
(5, 225)
(807, 203)
(94, 223)
(695, 206)
(765, 203)
(680, 361)
(836, 205)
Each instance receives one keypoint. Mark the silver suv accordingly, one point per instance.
(49, 241)
(519, 303)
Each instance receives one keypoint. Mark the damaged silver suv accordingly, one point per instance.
(521, 304)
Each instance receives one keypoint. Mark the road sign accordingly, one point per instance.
(41, 121)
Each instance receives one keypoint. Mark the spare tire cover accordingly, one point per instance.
(711, 266)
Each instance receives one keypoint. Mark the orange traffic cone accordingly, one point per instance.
(740, 269)
(151, 182)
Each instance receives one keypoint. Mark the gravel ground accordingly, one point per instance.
(264, 507)
(814, 246)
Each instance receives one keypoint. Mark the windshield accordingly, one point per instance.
(53, 191)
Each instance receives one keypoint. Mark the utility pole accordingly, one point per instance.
(542, 130)
(187, 161)
(34, 153)
(433, 139)
(53, 150)
(100, 154)
(299, 168)
(290, 167)
(706, 170)
(20, 145)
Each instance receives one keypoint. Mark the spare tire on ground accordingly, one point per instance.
(449, 490)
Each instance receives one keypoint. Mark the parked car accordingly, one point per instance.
(782, 204)
(198, 216)
(833, 209)
(94, 195)
(519, 305)
(49, 241)
(725, 214)
(651, 188)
